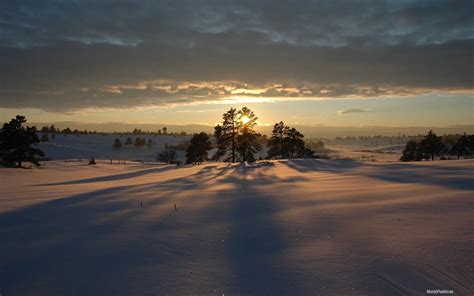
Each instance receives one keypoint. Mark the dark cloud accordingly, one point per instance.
(61, 55)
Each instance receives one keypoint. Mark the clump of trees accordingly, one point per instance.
(287, 142)
(17, 143)
(200, 144)
(117, 144)
(432, 145)
(236, 138)
(139, 142)
(464, 146)
(167, 155)
(129, 141)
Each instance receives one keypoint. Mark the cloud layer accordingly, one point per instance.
(66, 55)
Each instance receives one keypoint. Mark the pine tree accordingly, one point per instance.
(117, 144)
(230, 131)
(293, 144)
(410, 151)
(247, 141)
(16, 143)
(276, 141)
(167, 155)
(197, 150)
(139, 142)
(221, 143)
(464, 146)
(431, 144)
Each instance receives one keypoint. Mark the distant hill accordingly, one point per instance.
(308, 131)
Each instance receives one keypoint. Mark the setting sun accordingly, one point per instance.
(245, 119)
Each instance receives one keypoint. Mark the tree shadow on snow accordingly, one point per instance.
(256, 246)
(87, 244)
(406, 173)
(115, 177)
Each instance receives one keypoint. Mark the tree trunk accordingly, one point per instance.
(18, 156)
(233, 144)
(432, 156)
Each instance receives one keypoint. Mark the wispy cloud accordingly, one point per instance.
(198, 111)
(351, 110)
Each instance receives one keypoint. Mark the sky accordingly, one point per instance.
(336, 63)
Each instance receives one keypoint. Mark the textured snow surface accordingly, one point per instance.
(300, 227)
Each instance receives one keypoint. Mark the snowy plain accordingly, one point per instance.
(99, 146)
(298, 227)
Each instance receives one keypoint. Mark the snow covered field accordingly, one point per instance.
(301, 227)
(100, 147)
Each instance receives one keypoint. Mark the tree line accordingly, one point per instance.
(138, 143)
(68, 131)
(235, 141)
(432, 145)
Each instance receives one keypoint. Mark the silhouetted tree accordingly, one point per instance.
(129, 141)
(410, 152)
(149, 143)
(275, 143)
(197, 150)
(221, 143)
(167, 155)
(293, 144)
(463, 146)
(247, 141)
(427, 148)
(45, 138)
(165, 130)
(139, 142)
(286, 142)
(117, 144)
(431, 144)
(229, 132)
(16, 143)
